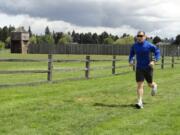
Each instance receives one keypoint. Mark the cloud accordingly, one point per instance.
(155, 16)
(38, 25)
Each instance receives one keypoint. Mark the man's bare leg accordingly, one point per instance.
(140, 91)
(153, 85)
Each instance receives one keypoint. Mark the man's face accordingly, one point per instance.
(141, 37)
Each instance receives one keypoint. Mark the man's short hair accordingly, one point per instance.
(141, 32)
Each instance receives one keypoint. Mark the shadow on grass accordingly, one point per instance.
(116, 105)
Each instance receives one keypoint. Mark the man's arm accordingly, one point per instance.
(157, 54)
(131, 56)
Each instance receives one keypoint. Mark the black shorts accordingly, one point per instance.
(146, 74)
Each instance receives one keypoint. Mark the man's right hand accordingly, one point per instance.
(131, 64)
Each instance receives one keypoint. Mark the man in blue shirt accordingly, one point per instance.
(144, 67)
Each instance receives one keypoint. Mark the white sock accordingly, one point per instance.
(154, 85)
(140, 100)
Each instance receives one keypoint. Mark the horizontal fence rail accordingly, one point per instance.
(23, 71)
(21, 60)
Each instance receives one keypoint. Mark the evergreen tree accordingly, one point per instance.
(177, 41)
(95, 38)
(156, 40)
(47, 31)
(30, 32)
(5, 33)
(102, 37)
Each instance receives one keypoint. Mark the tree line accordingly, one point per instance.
(93, 38)
(77, 38)
(80, 38)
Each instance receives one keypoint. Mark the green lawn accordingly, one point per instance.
(99, 106)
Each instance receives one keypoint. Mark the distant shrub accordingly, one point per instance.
(129, 40)
(8, 42)
(108, 40)
(2, 45)
(33, 40)
(45, 39)
(66, 39)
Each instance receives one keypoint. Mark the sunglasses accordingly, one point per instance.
(140, 35)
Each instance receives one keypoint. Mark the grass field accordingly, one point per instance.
(98, 106)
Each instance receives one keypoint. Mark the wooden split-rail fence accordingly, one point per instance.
(87, 68)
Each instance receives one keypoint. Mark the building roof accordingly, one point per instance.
(20, 29)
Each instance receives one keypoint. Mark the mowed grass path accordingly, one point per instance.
(99, 106)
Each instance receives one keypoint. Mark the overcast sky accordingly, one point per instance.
(156, 17)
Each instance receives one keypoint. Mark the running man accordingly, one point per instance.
(144, 67)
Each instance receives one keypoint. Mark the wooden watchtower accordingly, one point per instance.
(19, 41)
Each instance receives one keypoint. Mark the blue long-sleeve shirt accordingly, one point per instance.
(142, 52)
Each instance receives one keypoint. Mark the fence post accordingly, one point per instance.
(114, 65)
(134, 64)
(172, 61)
(87, 67)
(178, 52)
(162, 62)
(50, 67)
